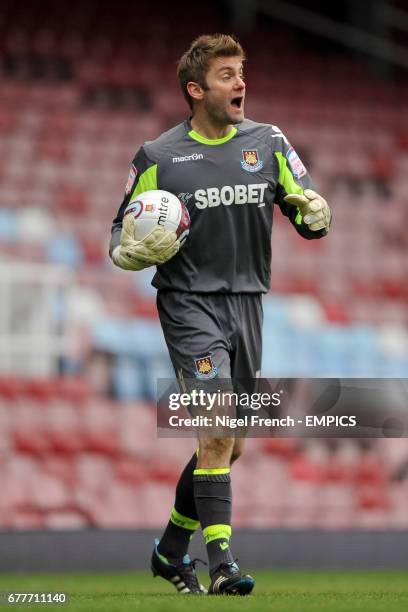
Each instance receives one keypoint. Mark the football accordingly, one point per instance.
(157, 207)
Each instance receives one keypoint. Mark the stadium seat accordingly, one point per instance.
(100, 428)
(131, 470)
(30, 431)
(23, 519)
(65, 519)
(65, 429)
(48, 492)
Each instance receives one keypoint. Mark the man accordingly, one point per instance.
(229, 171)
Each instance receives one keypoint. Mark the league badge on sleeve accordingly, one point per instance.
(295, 163)
(131, 179)
(250, 160)
(205, 368)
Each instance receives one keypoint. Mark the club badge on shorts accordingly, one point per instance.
(205, 368)
(250, 160)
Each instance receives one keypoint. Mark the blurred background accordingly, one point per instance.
(82, 87)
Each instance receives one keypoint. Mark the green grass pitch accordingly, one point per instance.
(278, 591)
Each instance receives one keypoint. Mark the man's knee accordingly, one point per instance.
(215, 452)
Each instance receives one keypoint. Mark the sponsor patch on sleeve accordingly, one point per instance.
(131, 179)
(295, 163)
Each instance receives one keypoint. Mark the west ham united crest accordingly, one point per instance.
(250, 160)
(205, 368)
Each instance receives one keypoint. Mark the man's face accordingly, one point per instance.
(225, 94)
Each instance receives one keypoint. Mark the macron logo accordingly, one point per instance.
(184, 158)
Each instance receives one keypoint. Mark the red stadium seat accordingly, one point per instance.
(131, 470)
(65, 519)
(64, 429)
(48, 492)
(30, 428)
(160, 472)
(61, 468)
(23, 519)
(9, 388)
(38, 389)
(369, 471)
(282, 447)
(74, 389)
(302, 468)
(373, 498)
(100, 427)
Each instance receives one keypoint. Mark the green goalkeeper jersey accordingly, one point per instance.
(229, 186)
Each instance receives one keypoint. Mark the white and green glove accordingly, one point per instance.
(156, 248)
(314, 209)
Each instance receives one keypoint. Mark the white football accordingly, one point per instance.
(157, 207)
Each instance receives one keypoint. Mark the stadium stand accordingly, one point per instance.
(79, 95)
(81, 460)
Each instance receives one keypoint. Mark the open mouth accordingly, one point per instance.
(237, 102)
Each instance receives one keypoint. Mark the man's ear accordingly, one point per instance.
(195, 90)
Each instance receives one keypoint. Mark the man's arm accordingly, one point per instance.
(158, 246)
(308, 212)
(142, 177)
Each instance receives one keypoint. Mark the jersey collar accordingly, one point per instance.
(210, 141)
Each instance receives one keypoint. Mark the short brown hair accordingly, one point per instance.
(194, 64)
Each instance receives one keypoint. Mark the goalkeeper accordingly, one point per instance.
(230, 172)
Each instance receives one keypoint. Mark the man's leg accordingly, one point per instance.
(200, 353)
(237, 449)
(183, 519)
(213, 495)
(169, 558)
(213, 499)
(212, 492)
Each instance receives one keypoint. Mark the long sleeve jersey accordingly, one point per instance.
(230, 186)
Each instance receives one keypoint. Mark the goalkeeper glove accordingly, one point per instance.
(156, 248)
(314, 209)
